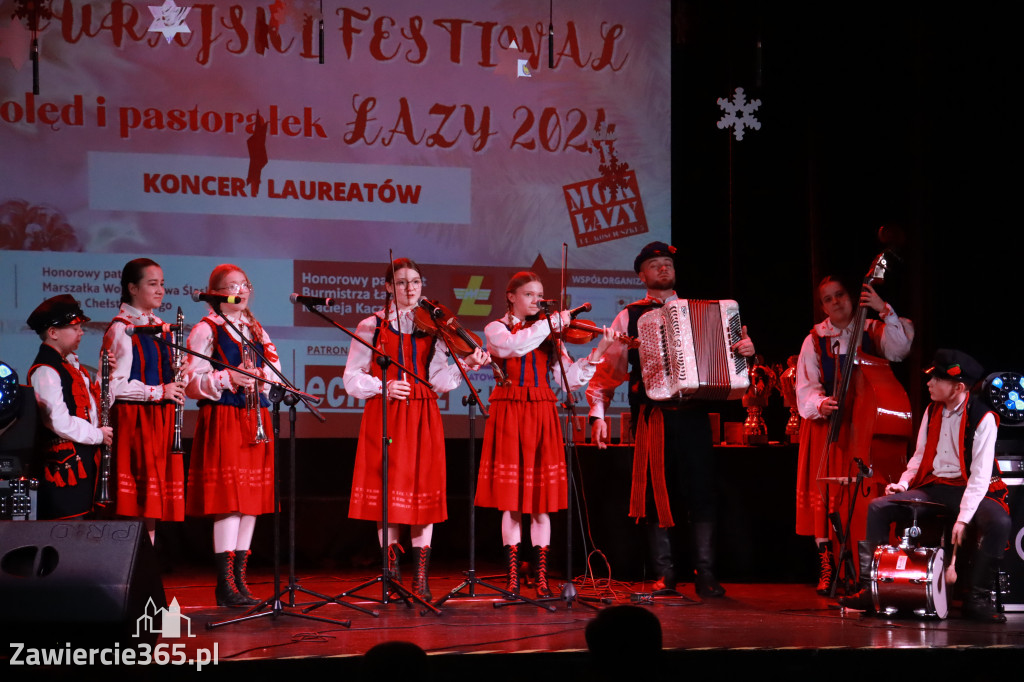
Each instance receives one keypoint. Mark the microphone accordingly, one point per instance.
(153, 329)
(547, 304)
(313, 300)
(214, 298)
(432, 308)
(864, 468)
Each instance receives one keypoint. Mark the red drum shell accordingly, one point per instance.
(910, 580)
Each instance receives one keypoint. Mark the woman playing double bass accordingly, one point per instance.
(825, 349)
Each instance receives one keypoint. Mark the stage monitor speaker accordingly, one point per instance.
(1013, 562)
(77, 580)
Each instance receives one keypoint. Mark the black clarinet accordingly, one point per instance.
(103, 496)
(178, 361)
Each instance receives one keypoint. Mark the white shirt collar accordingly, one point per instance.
(134, 315)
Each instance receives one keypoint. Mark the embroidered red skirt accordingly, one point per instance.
(417, 490)
(228, 473)
(522, 467)
(150, 481)
(811, 512)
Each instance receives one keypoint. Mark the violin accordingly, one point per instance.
(585, 331)
(435, 319)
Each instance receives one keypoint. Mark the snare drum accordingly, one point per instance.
(910, 580)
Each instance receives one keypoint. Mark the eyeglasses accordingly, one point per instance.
(406, 283)
(236, 287)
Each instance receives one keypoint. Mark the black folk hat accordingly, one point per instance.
(59, 311)
(653, 250)
(955, 365)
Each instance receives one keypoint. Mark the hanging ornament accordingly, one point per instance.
(257, 145)
(739, 113)
(169, 19)
(32, 11)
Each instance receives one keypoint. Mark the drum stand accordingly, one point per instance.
(472, 580)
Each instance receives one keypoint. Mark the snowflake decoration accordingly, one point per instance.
(739, 113)
(169, 19)
(613, 172)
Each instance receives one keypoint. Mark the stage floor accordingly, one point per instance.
(756, 627)
(784, 629)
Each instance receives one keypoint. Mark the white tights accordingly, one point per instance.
(421, 535)
(232, 532)
(512, 528)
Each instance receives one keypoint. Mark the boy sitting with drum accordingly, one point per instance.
(953, 465)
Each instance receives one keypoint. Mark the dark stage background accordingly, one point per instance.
(872, 114)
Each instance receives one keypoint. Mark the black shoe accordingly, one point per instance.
(420, 582)
(659, 545)
(978, 606)
(703, 535)
(707, 586)
(827, 569)
(241, 566)
(860, 601)
(665, 585)
(511, 553)
(226, 592)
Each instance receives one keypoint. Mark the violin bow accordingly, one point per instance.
(563, 286)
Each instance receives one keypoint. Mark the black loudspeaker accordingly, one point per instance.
(1013, 560)
(77, 580)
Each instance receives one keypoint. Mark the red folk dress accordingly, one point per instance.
(417, 489)
(522, 467)
(150, 479)
(229, 473)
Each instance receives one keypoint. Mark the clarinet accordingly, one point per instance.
(106, 457)
(178, 362)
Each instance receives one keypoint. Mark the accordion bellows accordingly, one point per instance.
(685, 351)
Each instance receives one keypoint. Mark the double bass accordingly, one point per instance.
(870, 430)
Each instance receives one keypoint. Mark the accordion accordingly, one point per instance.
(684, 351)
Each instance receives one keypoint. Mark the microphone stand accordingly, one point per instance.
(278, 392)
(291, 399)
(389, 584)
(569, 595)
(845, 566)
(471, 581)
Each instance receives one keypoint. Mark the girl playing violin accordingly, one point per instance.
(416, 457)
(522, 468)
(231, 475)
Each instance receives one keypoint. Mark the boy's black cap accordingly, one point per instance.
(59, 311)
(955, 365)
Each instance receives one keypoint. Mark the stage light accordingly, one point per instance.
(10, 395)
(1005, 394)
